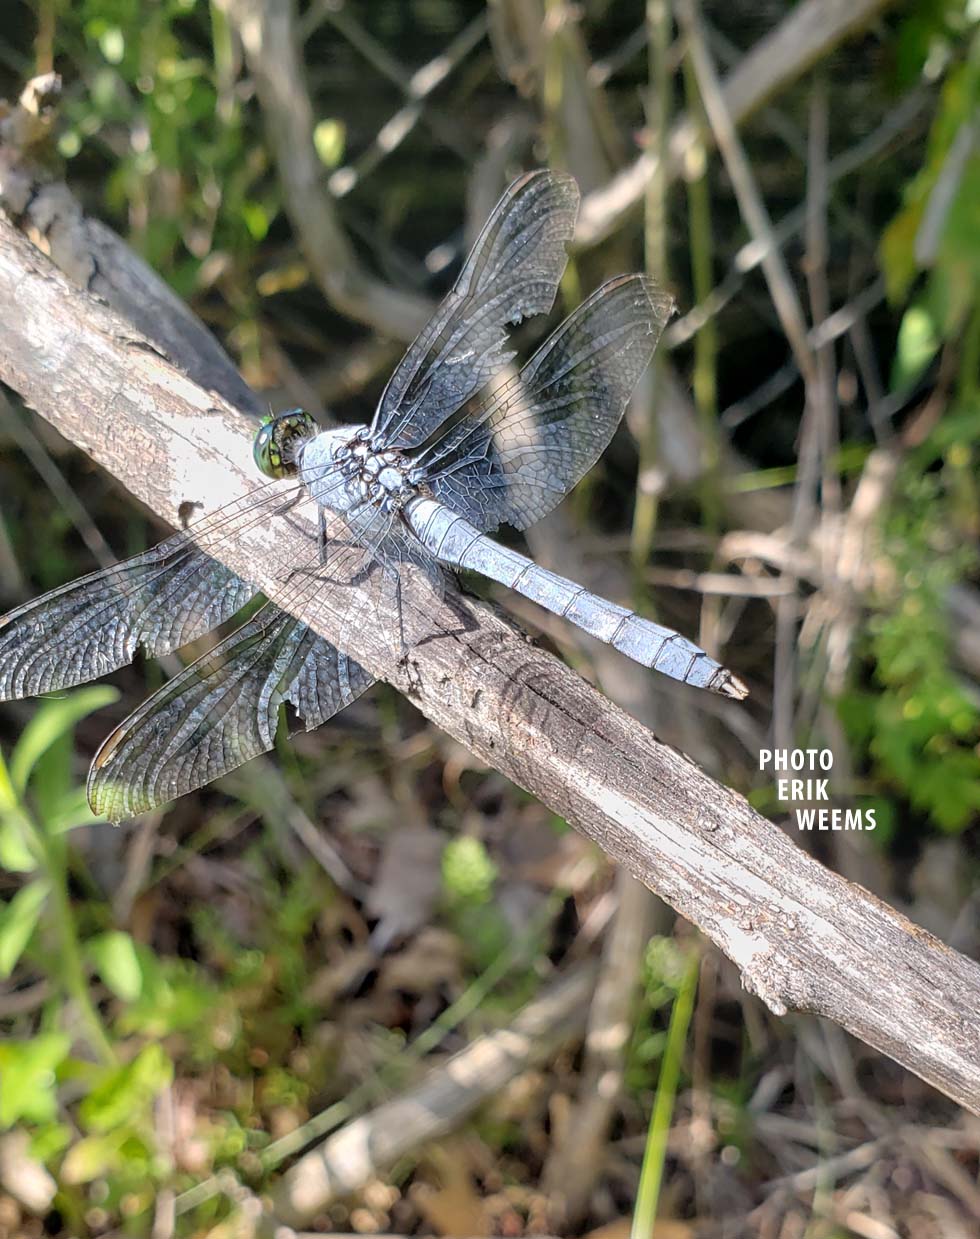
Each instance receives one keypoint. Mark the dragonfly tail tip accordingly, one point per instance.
(730, 685)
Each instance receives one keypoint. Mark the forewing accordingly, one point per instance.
(512, 273)
(512, 456)
(221, 711)
(159, 600)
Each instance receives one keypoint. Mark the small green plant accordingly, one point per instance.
(468, 877)
(930, 252)
(112, 1127)
(39, 805)
(671, 976)
(918, 727)
(661, 976)
(82, 1078)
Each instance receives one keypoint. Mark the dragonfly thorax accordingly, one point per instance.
(342, 471)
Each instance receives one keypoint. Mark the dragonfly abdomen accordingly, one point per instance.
(454, 541)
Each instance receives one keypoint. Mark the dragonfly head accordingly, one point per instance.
(278, 440)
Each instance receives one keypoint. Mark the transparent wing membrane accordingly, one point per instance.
(220, 711)
(159, 600)
(512, 273)
(354, 582)
(516, 452)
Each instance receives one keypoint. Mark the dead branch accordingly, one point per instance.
(92, 255)
(345, 1161)
(749, 198)
(806, 34)
(266, 28)
(803, 938)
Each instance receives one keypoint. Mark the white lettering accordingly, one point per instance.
(802, 790)
(797, 760)
(836, 819)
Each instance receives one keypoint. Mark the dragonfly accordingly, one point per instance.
(460, 444)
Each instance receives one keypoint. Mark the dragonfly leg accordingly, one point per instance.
(400, 618)
(322, 536)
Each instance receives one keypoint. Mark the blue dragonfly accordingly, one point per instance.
(459, 445)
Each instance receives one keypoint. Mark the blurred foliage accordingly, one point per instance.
(468, 876)
(663, 976)
(920, 722)
(157, 107)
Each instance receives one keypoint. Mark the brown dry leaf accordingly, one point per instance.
(665, 1228)
(339, 977)
(407, 886)
(453, 1207)
(430, 961)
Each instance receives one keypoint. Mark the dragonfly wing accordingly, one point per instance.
(512, 273)
(220, 711)
(515, 453)
(159, 600)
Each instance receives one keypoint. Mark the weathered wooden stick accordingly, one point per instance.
(803, 937)
(349, 1158)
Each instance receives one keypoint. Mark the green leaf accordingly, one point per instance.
(9, 800)
(918, 343)
(54, 718)
(71, 810)
(256, 220)
(177, 997)
(93, 1157)
(897, 250)
(53, 777)
(114, 955)
(27, 1078)
(15, 855)
(48, 1141)
(17, 922)
(125, 1092)
(468, 873)
(69, 144)
(329, 138)
(112, 44)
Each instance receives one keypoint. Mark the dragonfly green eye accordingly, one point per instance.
(278, 440)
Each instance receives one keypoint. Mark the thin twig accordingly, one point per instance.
(266, 28)
(750, 202)
(575, 1161)
(649, 478)
(817, 247)
(793, 322)
(806, 34)
(417, 87)
(49, 473)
